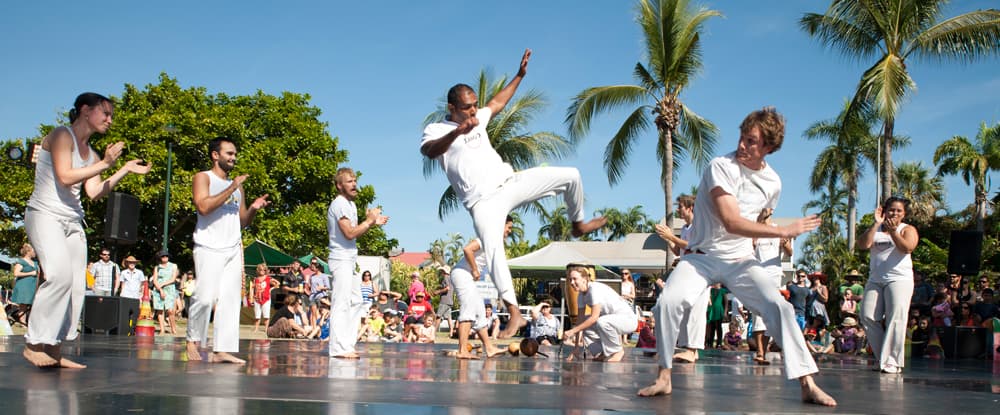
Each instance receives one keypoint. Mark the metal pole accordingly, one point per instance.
(166, 202)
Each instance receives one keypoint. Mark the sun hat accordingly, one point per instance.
(849, 322)
(130, 258)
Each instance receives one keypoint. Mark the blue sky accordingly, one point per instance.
(375, 69)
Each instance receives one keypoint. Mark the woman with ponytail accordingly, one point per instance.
(54, 223)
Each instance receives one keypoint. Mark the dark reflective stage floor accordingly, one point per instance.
(126, 375)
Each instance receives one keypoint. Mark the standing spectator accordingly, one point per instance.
(447, 299)
(984, 284)
(53, 221)
(890, 285)
(319, 288)
(25, 272)
(851, 293)
(768, 251)
(693, 323)
(923, 293)
(819, 295)
(164, 293)
(188, 287)
(293, 282)
(105, 274)
(132, 280)
(416, 286)
(343, 228)
(260, 292)
(628, 286)
(797, 295)
(368, 290)
(716, 313)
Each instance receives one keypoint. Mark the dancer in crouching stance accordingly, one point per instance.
(610, 317)
(733, 188)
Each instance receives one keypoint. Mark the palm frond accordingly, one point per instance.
(885, 85)
(699, 135)
(599, 99)
(852, 40)
(617, 152)
(965, 38)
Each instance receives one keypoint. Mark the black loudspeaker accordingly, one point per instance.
(122, 218)
(962, 342)
(964, 252)
(110, 315)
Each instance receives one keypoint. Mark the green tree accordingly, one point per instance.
(556, 225)
(269, 130)
(973, 161)
(924, 190)
(895, 31)
(853, 144)
(621, 223)
(672, 39)
(508, 135)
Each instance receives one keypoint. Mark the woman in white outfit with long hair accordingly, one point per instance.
(54, 223)
(890, 285)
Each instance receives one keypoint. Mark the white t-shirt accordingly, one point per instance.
(686, 236)
(886, 262)
(473, 167)
(768, 251)
(132, 281)
(341, 248)
(480, 260)
(221, 228)
(753, 190)
(610, 301)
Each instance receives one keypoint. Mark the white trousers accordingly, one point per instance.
(693, 324)
(751, 284)
(346, 307)
(220, 275)
(61, 246)
(758, 322)
(471, 301)
(889, 301)
(489, 214)
(605, 336)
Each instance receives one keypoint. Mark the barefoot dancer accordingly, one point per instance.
(488, 187)
(54, 223)
(733, 188)
(610, 317)
(471, 316)
(218, 253)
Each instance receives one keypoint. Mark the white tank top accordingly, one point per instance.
(221, 228)
(887, 263)
(49, 196)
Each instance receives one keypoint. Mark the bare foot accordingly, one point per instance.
(495, 352)
(761, 361)
(686, 356)
(193, 354)
(658, 388)
(349, 355)
(69, 364)
(223, 357)
(583, 228)
(811, 393)
(466, 356)
(616, 357)
(516, 323)
(599, 357)
(34, 353)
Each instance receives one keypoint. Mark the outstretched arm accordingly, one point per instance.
(729, 213)
(501, 98)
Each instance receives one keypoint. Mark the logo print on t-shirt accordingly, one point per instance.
(473, 139)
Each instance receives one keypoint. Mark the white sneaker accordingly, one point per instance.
(892, 369)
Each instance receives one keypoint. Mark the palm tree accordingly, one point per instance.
(853, 144)
(671, 31)
(454, 248)
(973, 161)
(621, 223)
(556, 224)
(925, 190)
(519, 148)
(895, 30)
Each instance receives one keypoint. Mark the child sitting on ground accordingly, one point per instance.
(815, 343)
(393, 331)
(848, 338)
(425, 333)
(733, 339)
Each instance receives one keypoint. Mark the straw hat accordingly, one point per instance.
(849, 322)
(853, 273)
(131, 258)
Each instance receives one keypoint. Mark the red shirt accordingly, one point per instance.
(418, 309)
(262, 289)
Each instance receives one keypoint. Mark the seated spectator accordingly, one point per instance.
(544, 325)
(965, 316)
(647, 334)
(415, 313)
(384, 303)
(426, 332)
(373, 329)
(848, 338)
(815, 343)
(987, 308)
(733, 340)
(393, 331)
(941, 311)
(287, 322)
